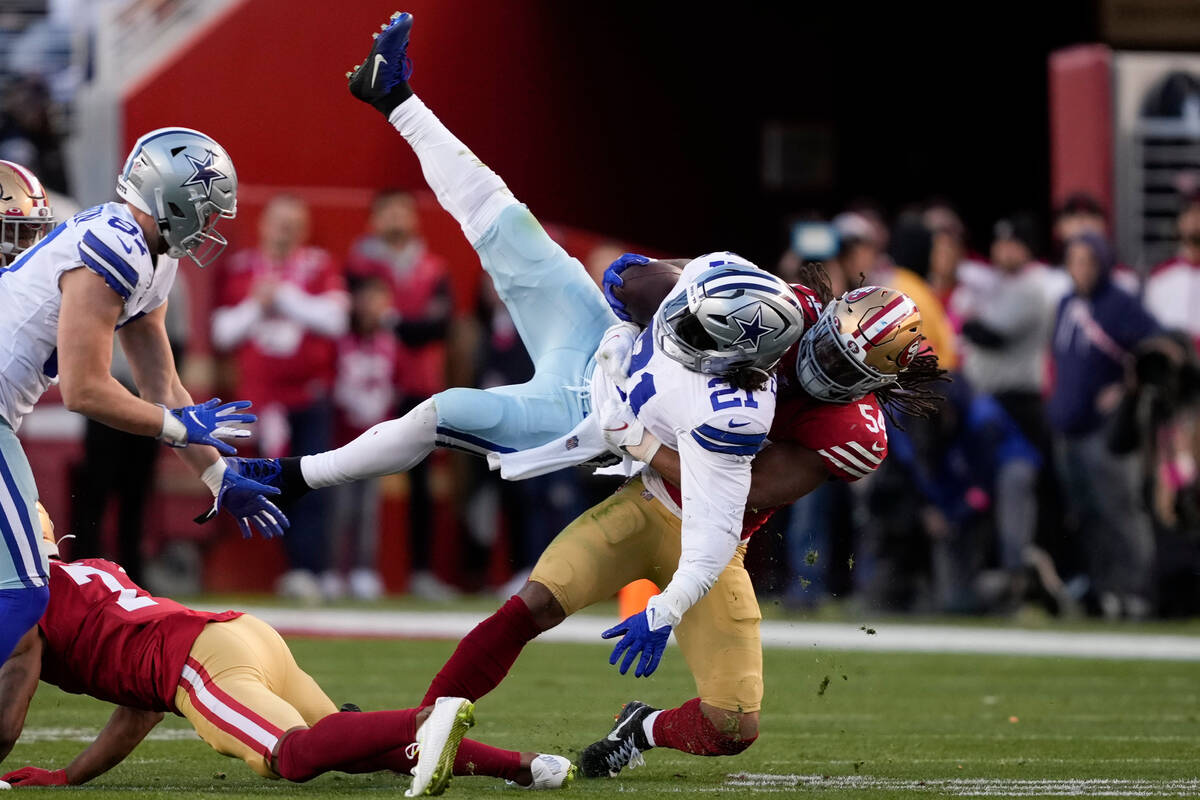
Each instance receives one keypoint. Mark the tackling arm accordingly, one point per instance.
(18, 681)
(782, 473)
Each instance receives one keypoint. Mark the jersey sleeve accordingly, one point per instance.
(114, 254)
(851, 438)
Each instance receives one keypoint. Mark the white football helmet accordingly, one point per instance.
(733, 315)
(186, 181)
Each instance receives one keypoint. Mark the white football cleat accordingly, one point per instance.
(549, 772)
(437, 744)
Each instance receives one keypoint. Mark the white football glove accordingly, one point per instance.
(616, 349)
(624, 433)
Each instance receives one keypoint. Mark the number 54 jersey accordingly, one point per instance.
(109, 638)
(104, 239)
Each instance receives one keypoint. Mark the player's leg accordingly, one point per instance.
(24, 585)
(719, 637)
(720, 641)
(605, 548)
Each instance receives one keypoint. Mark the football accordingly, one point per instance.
(645, 287)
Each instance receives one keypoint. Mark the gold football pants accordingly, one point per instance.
(631, 535)
(242, 690)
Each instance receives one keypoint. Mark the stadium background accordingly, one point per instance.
(651, 124)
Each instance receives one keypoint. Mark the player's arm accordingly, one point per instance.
(715, 478)
(18, 681)
(126, 729)
(89, 314)
(148, 349)
(782, 473)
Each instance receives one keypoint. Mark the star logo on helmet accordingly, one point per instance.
(203, 172)
(752, 331)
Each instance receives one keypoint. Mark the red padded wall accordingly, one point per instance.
(1081, 123)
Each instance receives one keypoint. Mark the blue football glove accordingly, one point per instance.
(638, 638)
(612, 279)
(245, 498)
(205, 424)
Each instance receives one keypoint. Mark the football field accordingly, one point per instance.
(835, 724)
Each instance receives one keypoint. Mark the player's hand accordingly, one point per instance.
(639, 636)
(244, 498)
(36, 776)
(612, 279)
(619, 425)
(205, 424)
(616, 350)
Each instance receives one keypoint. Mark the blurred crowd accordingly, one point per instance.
(1062, 467)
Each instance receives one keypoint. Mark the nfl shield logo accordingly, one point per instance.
(572, 442)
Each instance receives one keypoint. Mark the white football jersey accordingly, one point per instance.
(715, 427)
(104, 239)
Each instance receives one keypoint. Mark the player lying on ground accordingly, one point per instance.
(829, 425)
(235, 680)
(62, 297)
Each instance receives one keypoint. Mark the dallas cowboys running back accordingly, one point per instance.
(107, 268)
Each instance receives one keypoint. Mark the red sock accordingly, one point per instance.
(483, 658)
(687, 729)
(477, 758)
(474, 758)
(344, 740)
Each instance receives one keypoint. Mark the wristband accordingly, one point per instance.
(214, 476)
(173, 431)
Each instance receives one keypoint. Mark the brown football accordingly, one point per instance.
(645, 287)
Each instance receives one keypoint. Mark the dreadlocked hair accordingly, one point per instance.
(913, 394)
(748, 379)
(813, 275)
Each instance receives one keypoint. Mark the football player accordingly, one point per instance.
(707, 368)
(235, 680)
(62, 297)
(686, 531)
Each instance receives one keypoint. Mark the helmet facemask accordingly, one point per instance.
(728, 319)
(833, 362)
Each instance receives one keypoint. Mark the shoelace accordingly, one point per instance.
(627, 754)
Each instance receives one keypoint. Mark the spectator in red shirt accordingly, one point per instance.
(423, 306)
(281, 308)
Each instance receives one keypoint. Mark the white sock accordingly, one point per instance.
(648, 727)
(393, 446)
(464, 185)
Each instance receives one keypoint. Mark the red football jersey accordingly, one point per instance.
(111, 639)
(851, 438)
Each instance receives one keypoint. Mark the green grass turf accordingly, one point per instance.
(919, 717)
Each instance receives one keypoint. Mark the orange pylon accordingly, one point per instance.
(633, 597)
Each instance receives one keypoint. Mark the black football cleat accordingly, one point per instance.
(623, 747)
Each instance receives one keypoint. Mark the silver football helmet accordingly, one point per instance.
(186, 181)
(733, 315)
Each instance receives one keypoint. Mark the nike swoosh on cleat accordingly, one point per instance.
(614, 734)
(733, 424)
(379, 59)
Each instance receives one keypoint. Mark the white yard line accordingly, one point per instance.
(775, 634)
(969, 787)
